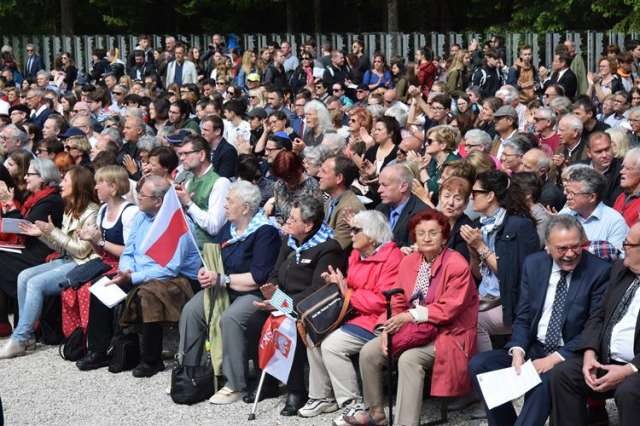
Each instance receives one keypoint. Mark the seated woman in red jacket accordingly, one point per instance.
(373, 268)
(438, 291)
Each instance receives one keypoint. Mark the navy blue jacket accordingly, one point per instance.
(516, 239)
(584, 297)
(256, 254)
(224, 159)
(39, 120)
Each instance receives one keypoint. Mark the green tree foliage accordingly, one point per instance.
(266, 16)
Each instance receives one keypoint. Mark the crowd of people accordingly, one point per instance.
(502, 201)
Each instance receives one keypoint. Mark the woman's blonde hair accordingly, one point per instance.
(445, 134)
(116, 175)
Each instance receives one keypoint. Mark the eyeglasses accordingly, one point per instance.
(337, 90)
(117, 93)
(70, 147)
(475, 192)
(230, 93)
(564, 249)
(573, 194)
(355, 230)
(438, 108)
(32, 174)
(220, 83)
(431, 234)
(626, 244)
(185, 153)
(306, 58)
(141, 195)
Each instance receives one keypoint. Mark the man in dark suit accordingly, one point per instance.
(560, 288)
(224, 156)
(563, 76)
(398, 203)
(610, 346)
(40, 110)
(32, 63)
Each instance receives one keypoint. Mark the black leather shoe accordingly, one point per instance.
(295, 401)
(267, 392)
(147, 370)
(92, 361)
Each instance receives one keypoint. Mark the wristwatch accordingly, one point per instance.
(101, 243)
(226, 280)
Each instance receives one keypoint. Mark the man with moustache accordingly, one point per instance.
(561, 287)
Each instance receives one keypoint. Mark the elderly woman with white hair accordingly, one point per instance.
(317, 122)
(373, 268)
(249, 247)
(313, 157)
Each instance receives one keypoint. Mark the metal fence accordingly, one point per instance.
(590, 44)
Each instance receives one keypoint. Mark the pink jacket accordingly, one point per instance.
(368, 278)
(454, 311)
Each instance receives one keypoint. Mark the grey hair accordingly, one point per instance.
(160, 185)
(324, 118)
(592, 180)
(376, 111)
(567, 171)
(508, 93)
(561, 103)
(311, 209)
(139, 122)
(334, 142)
(399, 114)
(564, 221)
(634, 111)
(402, 173)
(122, 87)
(543, 160)
(247, 193)
(634, 153)
(479, 136)
(113, 135)
(549, 114)
(519, 143)
(316, 154)
(374, 225)
(47, 74)
(16, 133)
(147, 143)
(47, 170)
(573, 121)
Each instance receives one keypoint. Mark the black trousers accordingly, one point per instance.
(569, 394)
(103, 323)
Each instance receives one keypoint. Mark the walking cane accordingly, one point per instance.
(388, 295)
(252, 416)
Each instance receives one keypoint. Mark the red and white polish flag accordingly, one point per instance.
(167, 228)
(277, 346)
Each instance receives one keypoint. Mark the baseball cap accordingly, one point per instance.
(255, 77)
(257, 113)
(71, 132)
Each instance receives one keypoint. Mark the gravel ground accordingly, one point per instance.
(41, 388)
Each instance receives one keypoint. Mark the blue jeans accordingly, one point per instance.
(33, 284)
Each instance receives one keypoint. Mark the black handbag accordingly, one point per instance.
(74, 347)
(84, 272)
(124, 352)
(322, 312)
(190, 385)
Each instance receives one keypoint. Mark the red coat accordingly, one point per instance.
(368, 278)
(454, 311)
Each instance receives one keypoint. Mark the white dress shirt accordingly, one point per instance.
(624, 332)
(547, 308)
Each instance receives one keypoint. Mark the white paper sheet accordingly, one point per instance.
(501, 386)
(110, 295)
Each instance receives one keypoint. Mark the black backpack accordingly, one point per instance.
(74, 347)
(124, 352)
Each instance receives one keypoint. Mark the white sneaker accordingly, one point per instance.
(315, 407)
(225, 396)
(349, 410)
(12, 349)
